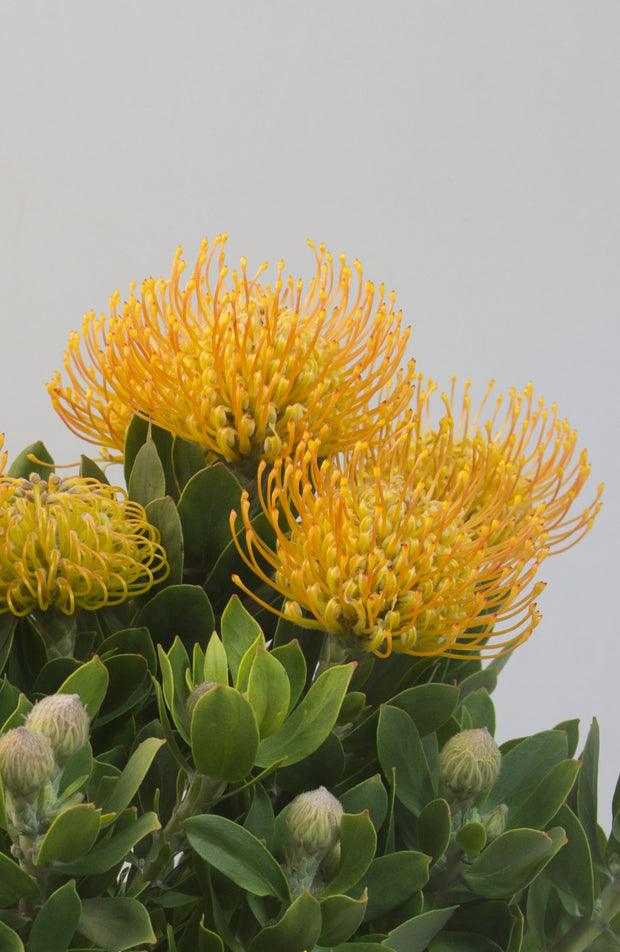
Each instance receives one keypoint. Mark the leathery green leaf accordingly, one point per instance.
(216, 662)
(9, 940)
(310, 723)
(368, 795)
(182, 610)
(56, 921)
(297, 930)
(116, 923)
(428, 705)
(524, 766)
(341, 916)
(268, 691)
(33, 459)
(415, 934)
(224, 734)
(435, 829)
(237, 854)
(72, 833)
(392, 879)
(358, 842)
(546, 799)
(113, 851)
(208, 941)
(512, 861)
(239, 633)
(204, 509)
(90, 681)
(292, 658)
(147, 480)
(399, 747)
(571, 870)
(162, 513)
(134, 772)
(14, 882)
(471, 838)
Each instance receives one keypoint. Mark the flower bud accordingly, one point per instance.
(26, 761)
(469, 763)
(196, 694)
(63, 720)
(495, 821)
(313, 822)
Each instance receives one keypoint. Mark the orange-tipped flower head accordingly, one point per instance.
(70, 543)
(240, 369)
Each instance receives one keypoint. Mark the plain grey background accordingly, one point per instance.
(467, 152)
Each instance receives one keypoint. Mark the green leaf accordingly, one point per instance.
(524, 766)
(135, 438)
(187, 459)
(292, 658)
(130, 641)
(147, 481)
(297, 930)
(435, 829)
(481, 709)
(116, 924)
(90, 681)
(90, 470)
(341, 916)
(310, 723)
(14, 882)
(239, 633)
(56, 921)
(486, 678)
(463, 942)
(392, 879)
(162, 513)
(512, 861)
(182, 610)
(130, 683)
(471, 838)
(224, 734)
(9, 940)
(368, 795)
(174, 667)
(587, 793)
(428, 705)
(126, 786)
(216, 661)
(415, 934)
(268, 691)
(204, 509)
(208, 941)
(71, 834)
(546, 799)
(41, 462)
(399, 748)
(323, 767)
(113, 851)
(571, 869)
(358, 842)
(571, 729)
(237, 854)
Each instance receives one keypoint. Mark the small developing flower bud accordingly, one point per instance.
(469, 763)
(26, 762)
(495, 821)
(63, 720)
(313, 822)
(196, 694)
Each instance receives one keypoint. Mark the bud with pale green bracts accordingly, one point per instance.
(313, 822)
(469, 764)
(63, 720)
(197, 693)
(495, 821)
(26, 762)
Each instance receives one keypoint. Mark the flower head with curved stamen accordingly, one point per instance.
(240, 369)
(69, 543)
(427, 542)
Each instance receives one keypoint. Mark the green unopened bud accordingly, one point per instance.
(26, 762)
(469, 763)
(495, 821)
(313, 822)
(62, 718)
(196, 694)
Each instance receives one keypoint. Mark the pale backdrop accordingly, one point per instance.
(466, 152)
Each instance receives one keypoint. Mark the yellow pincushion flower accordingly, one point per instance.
(242, 370)
(72, 543)
(427, 542)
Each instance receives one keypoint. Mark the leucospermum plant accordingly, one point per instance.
(245, 703)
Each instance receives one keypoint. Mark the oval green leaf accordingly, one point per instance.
(224, 734)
